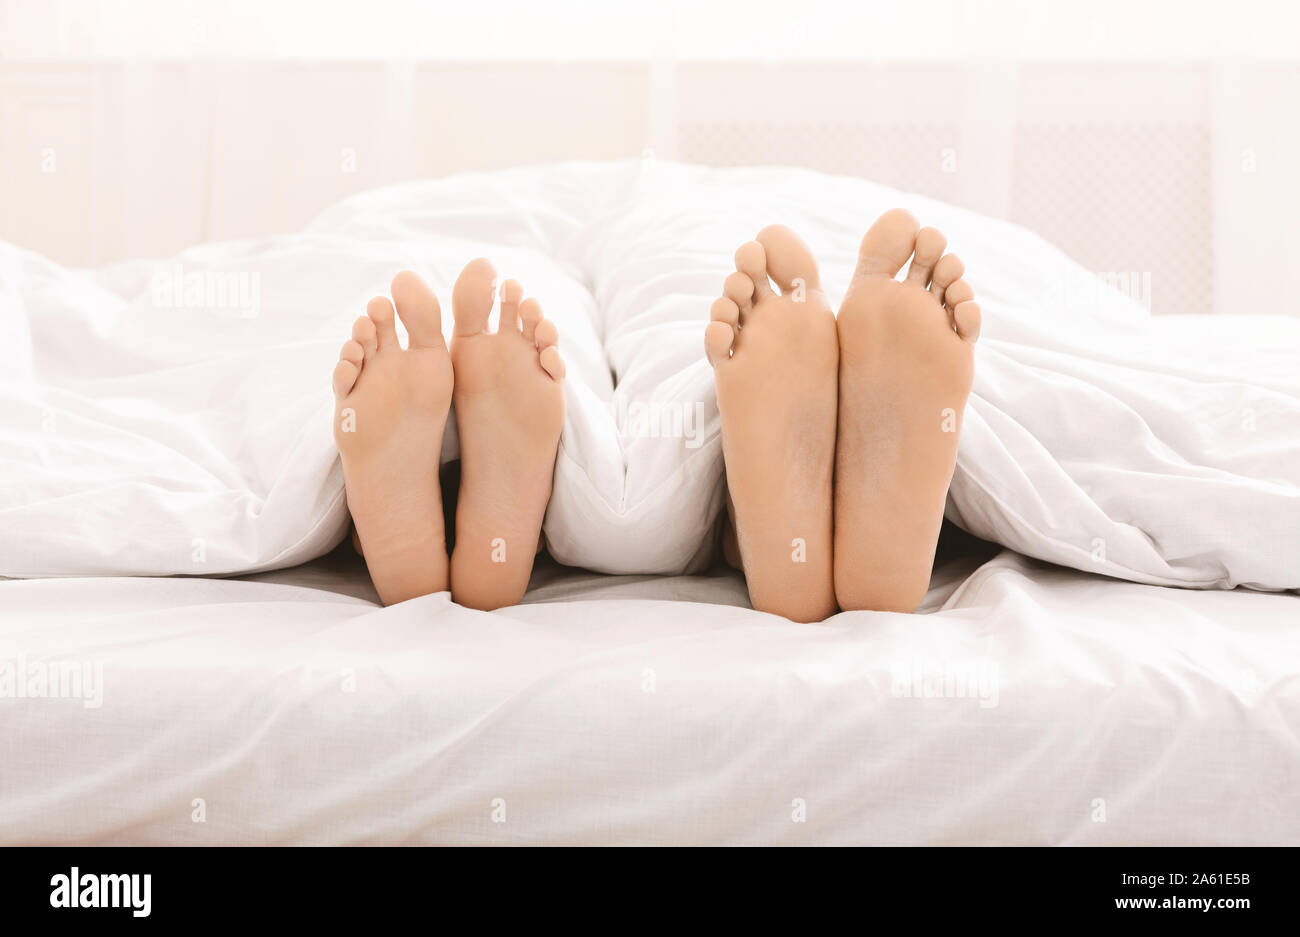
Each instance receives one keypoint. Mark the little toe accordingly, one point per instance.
(364, 332)
(380, 311)
(930, 243)
(345, 377)
(530, 314)
(751, 260)
(471, 297)
(419, 310)
(548, 340)
(790, 262)
(887, 244)
(718, 339)
(946, 272)
(512, 292)
(967, 319)
(725, 312)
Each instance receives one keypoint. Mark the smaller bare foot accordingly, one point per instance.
(774, 358)
(906, 365)
(509, 399)
(390, 410)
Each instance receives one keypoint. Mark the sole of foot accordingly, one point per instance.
(906, 366)
(774, 355)
(509, 400)
(391, 407)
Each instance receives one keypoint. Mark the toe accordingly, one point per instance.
(345, 376)
(946, 272)
(930, 243)
(530, 314)
(790, 263)
(471, 297)
(548, 338)
(725, 310)
(419, 310)
(353, 351)
(751, 260)
(380, 311)
(727, 313)
(718, 339)
(364, 332)
(739, 288)
(966, 317)
(887, 244)
(512, 292)
(958, 292)
(551, 362)
(546, 334)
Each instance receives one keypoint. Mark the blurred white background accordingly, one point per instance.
(1153, 139)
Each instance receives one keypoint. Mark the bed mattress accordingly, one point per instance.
(1033, 705)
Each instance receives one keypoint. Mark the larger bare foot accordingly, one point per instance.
(509, 400)
(390, 410)
(774, 358)
(906, 365)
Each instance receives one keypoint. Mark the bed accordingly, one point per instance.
(1032, 704)
(190, 653)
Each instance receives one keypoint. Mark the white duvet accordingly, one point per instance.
(172, 416)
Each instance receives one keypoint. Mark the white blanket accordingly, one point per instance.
(171, 417)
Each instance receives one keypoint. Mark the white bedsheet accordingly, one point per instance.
(644, 709)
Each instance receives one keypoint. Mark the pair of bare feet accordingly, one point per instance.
(391, 406)
(840, 432)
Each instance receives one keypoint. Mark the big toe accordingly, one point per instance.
(471, 297)
(418, 309)
(888, 244)
(790, 262)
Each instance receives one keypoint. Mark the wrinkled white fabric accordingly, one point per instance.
(146, 436)
(1033, 705)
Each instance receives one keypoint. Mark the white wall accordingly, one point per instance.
(132, 129)
(682, 30)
